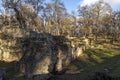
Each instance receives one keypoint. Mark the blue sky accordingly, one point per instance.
(73, 4)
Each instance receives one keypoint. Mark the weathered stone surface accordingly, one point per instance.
(42, 67)
(10, 47)
(44, 55)
(37, 53)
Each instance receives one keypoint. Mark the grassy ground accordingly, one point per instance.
(9, 67)
(11, 74)
(97, 60)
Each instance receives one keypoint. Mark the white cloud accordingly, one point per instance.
(88, 2)
(113, 3)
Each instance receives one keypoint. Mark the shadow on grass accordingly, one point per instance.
(9, 68)
(98, 60)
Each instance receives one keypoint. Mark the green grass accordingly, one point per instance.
(10, 69)
(96, 60)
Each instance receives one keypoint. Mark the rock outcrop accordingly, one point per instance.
(10, 46)
(44, 55)
(37, 53)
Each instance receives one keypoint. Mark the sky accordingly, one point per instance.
(72, 5)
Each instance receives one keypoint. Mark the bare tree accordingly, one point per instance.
(92, 16)
(85, 19)
(38, 5)
(54, 13)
